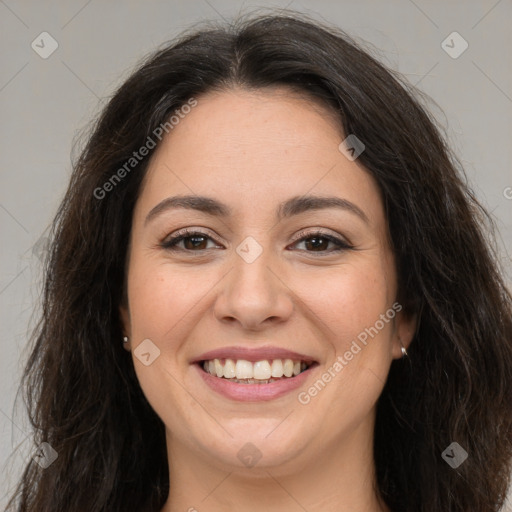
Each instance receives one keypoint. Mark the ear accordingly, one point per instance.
(124, 315)
(405, 329)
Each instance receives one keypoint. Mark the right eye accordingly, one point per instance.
(194, 241)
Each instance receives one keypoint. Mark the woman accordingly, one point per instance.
(269, 286)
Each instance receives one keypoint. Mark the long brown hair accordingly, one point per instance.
(80, 386)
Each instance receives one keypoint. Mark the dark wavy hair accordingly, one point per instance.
(79, 384)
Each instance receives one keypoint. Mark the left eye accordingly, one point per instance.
(196, 241)
(317, 241)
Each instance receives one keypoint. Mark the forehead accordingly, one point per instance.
(255, 148)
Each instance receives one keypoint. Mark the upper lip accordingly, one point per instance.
(253, 354)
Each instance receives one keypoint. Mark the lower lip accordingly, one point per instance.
(254, 392)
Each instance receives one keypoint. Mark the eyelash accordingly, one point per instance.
(171, 243)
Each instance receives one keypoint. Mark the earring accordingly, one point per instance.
(125, 339)
(404, 352)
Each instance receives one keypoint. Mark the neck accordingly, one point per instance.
(334, 476)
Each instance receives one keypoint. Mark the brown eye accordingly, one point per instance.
(193, 241)
(319, 242)
(197, 241)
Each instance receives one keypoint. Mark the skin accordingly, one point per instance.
(252, 150)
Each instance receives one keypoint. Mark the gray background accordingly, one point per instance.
(44, 102)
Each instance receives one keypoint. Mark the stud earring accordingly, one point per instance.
(404, 352)
(125, 339)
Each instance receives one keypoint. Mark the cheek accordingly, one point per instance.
(163, 308)
(349, 299)
(161, 296)
(350, 304)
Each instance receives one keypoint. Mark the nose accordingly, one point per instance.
(254, 295)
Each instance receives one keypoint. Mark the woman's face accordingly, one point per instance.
(258, 285)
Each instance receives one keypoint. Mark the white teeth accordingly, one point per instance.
(219, 371)
(288, 367)
(277, 368)
(253, 381)
(261, 371)
(243, 369)
(229, 369)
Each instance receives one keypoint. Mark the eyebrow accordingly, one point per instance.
(293, 206)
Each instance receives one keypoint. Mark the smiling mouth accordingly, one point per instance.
(240, 371)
